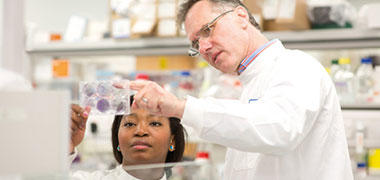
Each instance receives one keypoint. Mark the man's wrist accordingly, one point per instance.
(180, 108)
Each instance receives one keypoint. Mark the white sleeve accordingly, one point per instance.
(275, 124)
(83, 175)
(73, 156)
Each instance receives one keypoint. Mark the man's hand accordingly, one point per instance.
(156, 100)
(79, 118)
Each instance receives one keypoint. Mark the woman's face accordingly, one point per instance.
(144, 138)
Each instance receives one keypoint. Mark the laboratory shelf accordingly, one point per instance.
(368, 143)
(328, 39)
(361, 107)
(311, 39)
(141, 46)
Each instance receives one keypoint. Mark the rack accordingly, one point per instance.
(312, 39)
(375, 107)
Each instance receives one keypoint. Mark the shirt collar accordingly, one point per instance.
(262, 61)
(249, 59)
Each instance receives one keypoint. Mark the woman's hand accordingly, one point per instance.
(79, 118)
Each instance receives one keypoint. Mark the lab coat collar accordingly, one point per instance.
(261, 62)
(126, 175)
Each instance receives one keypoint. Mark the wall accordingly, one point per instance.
(1, 30)
(13, 53)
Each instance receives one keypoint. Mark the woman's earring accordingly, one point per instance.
(118, 148)
(171, 148)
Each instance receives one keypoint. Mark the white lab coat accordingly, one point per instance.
(117, 173)
(286, 126)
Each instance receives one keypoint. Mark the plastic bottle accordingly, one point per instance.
(376, 85)
(334, 67)
(344, 82)
(360, 153)
(203, 160)
(186, 85)
(364, 81)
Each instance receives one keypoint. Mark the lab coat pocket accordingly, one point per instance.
(246, 160)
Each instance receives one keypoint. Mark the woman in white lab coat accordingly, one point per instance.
(139, 138)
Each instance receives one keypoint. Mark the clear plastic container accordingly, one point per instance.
(185, 85)
(205, 172)
(334, 67)
(344, 82)
(104, 98)
(360, 151)
(376, 85)
(364, 81)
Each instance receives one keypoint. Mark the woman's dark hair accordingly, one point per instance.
(176, 129)
(186, 6)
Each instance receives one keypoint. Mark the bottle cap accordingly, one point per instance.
(185, 73)
(202, 155)
(344, 61)
(334, 61)
(361, 165)
(366, 60)
(142, 76)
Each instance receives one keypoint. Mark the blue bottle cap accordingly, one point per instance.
(361, 165)
(185, 73)
(366, 60)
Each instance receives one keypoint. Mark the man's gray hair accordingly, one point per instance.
(187, 4)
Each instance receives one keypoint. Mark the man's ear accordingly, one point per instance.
(243, 16)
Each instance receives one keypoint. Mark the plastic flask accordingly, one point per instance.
(344, 82)
(360, 154)
(364, 82)
(203, 160)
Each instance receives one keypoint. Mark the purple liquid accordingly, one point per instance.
(103, 105)
(120, 107)
(89, 90)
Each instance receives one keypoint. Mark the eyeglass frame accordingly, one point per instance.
(193, 51)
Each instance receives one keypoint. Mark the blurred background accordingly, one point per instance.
(56, 44)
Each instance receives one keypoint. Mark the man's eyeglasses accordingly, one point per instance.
(204, 32)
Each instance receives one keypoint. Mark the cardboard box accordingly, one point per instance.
(140, 25)
(292, 15)
(172, 62)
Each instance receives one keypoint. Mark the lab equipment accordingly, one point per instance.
(34, 129)
(376, 84)
(334, 67)
(360, 153)
(344, 82)
(374, 162)
(186, 85)
(104, 98)
(364, 82)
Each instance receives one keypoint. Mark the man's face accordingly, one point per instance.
(225, 47)
(144, 138)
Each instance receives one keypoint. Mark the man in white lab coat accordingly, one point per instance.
(287, 124)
